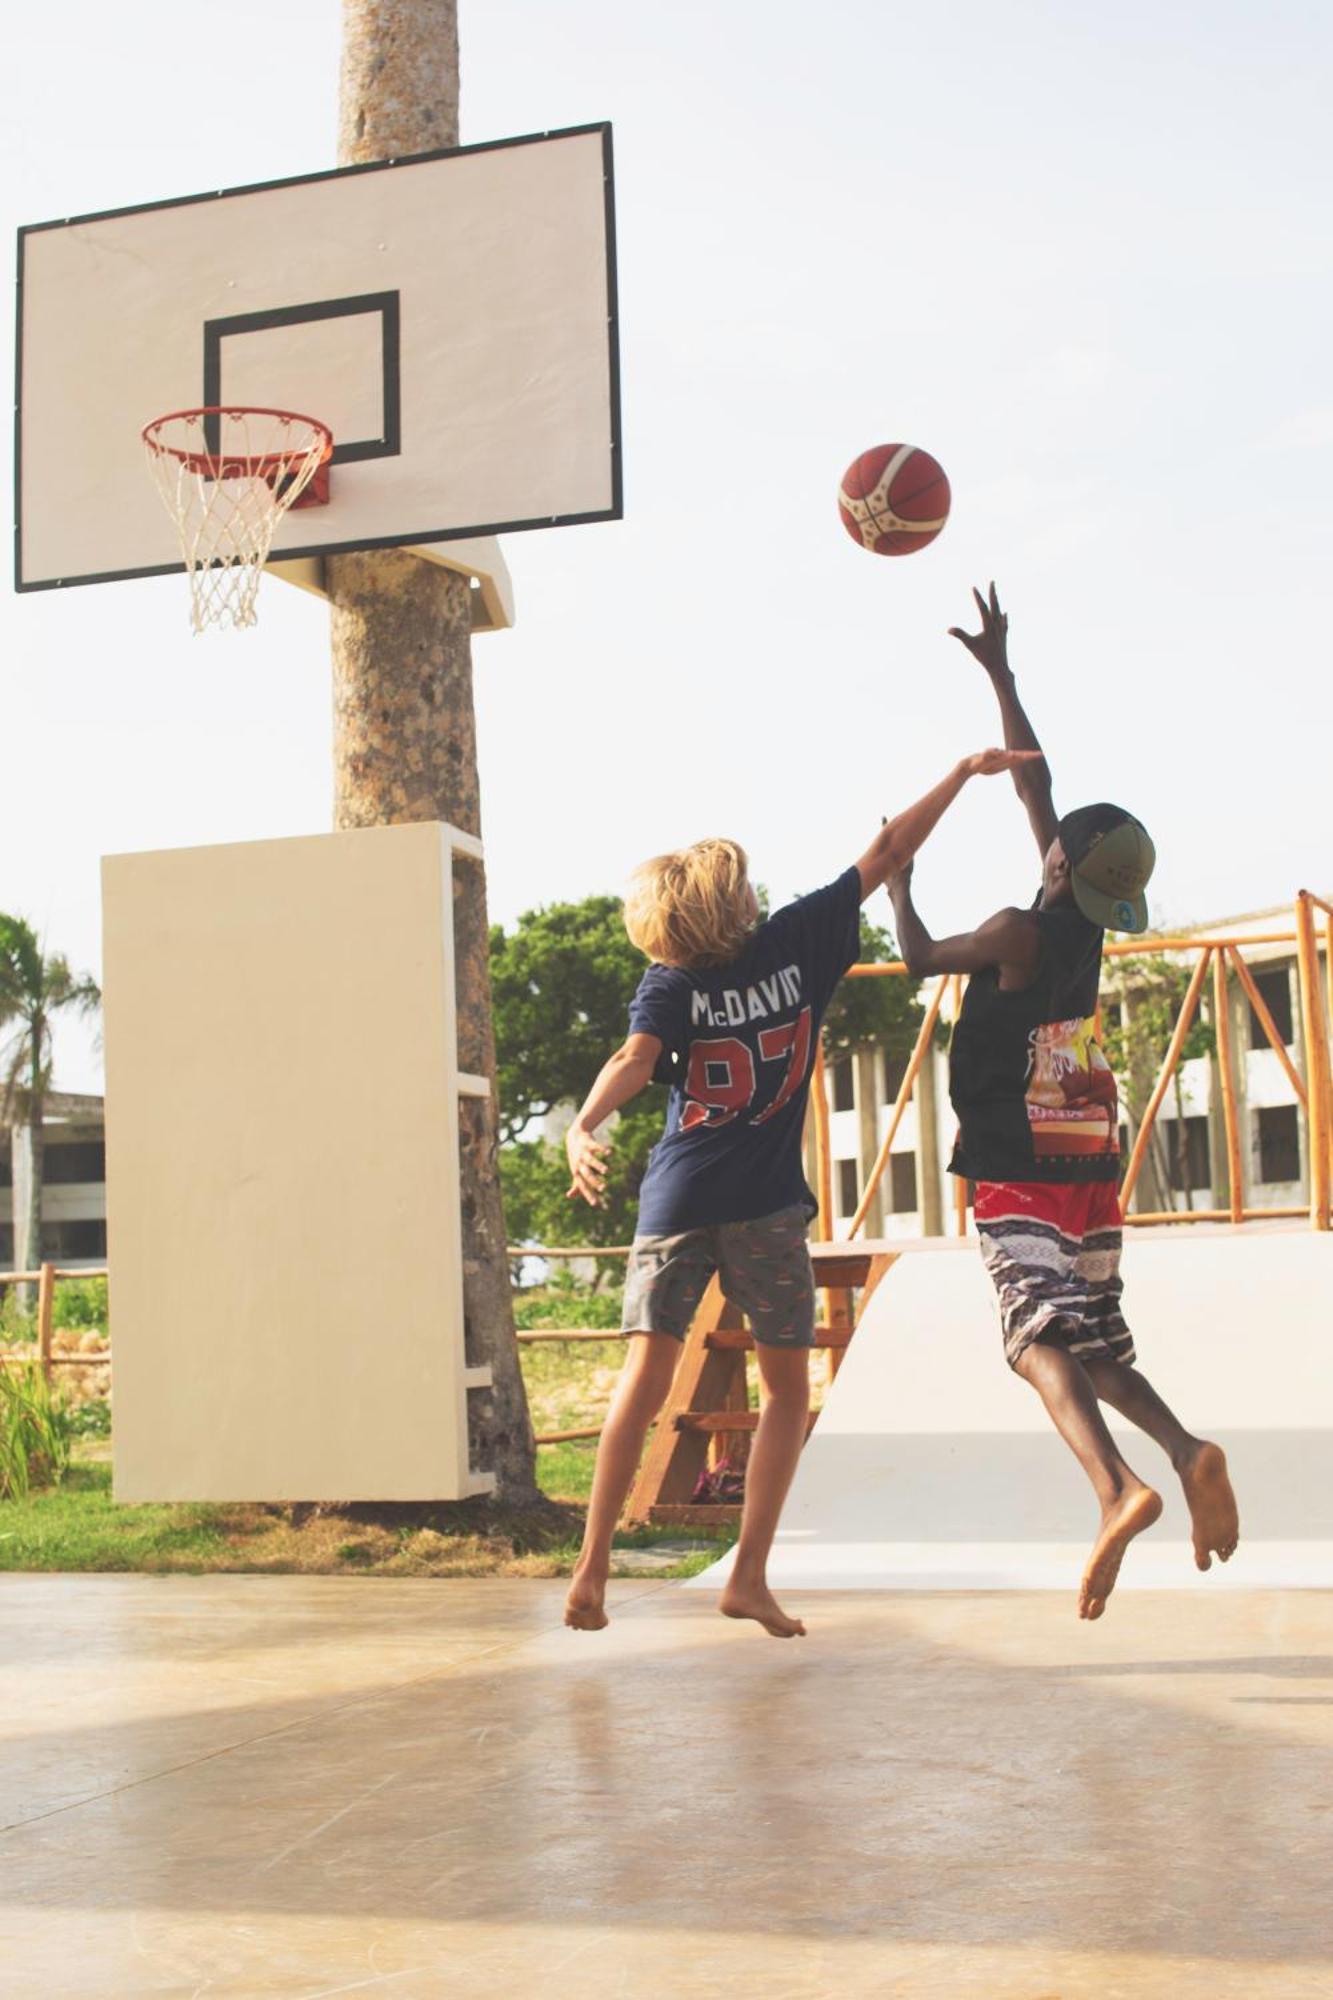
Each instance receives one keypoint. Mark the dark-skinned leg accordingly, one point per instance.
(1200, 1464)
(1134, 1396)
(1128, 1505)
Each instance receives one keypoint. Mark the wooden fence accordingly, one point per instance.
(47, 1276)
(1221, 955)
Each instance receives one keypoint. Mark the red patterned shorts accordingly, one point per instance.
(1053, 1253)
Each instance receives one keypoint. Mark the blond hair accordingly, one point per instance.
(692, 908)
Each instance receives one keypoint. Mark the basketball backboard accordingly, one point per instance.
(451, 317)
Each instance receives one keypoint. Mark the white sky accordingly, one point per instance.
(1081, 253)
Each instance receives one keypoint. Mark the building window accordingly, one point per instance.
(79, 1161)
(1196, 1151)
(6, 1163)
(1275, 992)
(844, 1085)
(1279, 1138)
(7, 1244)
(82, 1241)
(848, 1187)
(902, 1182)
(895, 1069)
(1113, 1016)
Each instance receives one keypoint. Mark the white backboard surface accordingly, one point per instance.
(451, 317)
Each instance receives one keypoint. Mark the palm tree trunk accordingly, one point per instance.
(404, 724)
(27, 1152)
(36, 1145)
(20, 1141)
(32, 1249)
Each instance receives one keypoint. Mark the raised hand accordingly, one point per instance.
(991, 644)
(989, 763)
(587, 1166)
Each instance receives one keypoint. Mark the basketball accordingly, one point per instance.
(893, 499)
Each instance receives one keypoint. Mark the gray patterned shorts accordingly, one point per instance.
(764, 1266)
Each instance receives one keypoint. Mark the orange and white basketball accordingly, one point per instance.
(893, 499)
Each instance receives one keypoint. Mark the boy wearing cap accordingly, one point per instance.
(1039, 1135)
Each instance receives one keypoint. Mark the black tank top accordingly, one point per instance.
(1035, 1096)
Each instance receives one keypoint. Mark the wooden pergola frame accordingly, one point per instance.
(1223, 954)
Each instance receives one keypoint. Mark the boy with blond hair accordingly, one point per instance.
(727, 1015)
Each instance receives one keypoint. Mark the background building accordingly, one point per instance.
(915, 1196)
(73, 1183)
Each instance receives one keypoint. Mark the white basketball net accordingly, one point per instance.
(226, 478)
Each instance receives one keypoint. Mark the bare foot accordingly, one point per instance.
(1212, 1506)
(585, 1610)
(1137, 1510)
(757, 1601)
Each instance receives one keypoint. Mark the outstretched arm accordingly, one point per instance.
(899, 838)
(1032, 780)
(1011, 940)
(620, 1078)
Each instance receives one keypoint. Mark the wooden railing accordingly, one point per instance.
(1315, 1021)
(46, 1277)
(1222, 954)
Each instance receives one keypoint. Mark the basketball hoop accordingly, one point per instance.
(227, 477)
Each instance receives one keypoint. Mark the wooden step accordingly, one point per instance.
(696, 1514)
(708, 1399)
(739, 1337)
(726, 1420)
(839, 1266)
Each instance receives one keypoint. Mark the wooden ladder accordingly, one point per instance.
(707, 1414)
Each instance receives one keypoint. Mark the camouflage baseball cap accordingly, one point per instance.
(1111, 860)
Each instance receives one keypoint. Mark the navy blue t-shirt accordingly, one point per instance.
(738, 1045)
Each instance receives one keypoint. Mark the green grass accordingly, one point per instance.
(34, 1432)
(566, 1305)
(17, 1327)
(76, 1526)
(90, 1419)
(569, 1388)
(80, 1302)
(564, 1471)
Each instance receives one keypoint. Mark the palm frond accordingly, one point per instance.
(33, 987)
(21, 969)
(85, 996)
(12, 1092)
(61, 988)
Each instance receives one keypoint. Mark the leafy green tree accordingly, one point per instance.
(535, 1177)
(34, 989)
(561, 984)
(886, 1011)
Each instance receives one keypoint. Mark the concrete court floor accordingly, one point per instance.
(251, 1786)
